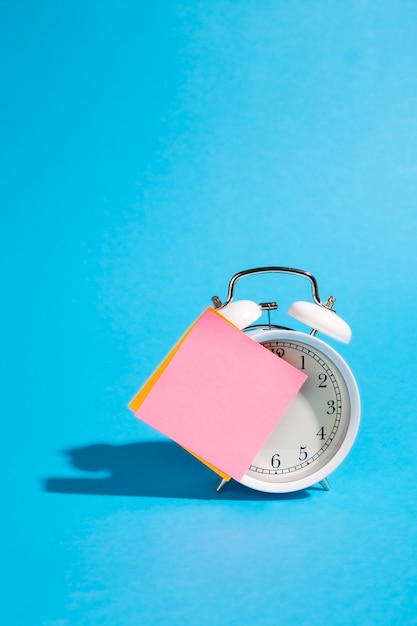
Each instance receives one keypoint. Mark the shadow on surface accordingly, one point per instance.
(158, 469)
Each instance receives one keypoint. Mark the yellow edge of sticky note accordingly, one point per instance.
(135, 403)
(212, 467)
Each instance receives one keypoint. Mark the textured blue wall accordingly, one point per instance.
(149, 151)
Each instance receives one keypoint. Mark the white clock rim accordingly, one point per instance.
(282, 334)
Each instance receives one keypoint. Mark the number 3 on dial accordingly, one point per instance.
(318, 428)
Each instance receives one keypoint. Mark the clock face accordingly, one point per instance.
(318, 428)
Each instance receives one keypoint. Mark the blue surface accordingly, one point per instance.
(150, 151)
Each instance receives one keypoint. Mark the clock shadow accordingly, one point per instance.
(151, 469)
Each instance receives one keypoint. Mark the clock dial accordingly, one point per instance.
(314, 427)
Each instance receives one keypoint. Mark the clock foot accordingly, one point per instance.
(325, 484)
(221, 484)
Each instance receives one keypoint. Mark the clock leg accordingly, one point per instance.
(221, 484)
(325, 484)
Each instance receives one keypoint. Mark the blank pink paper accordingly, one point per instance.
(221, 394)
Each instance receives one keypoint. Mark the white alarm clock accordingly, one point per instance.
(319, 427)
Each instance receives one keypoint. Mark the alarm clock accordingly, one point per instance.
(319, 427)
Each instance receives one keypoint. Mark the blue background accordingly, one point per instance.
(150, 151)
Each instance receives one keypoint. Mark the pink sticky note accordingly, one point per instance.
(221, 395)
